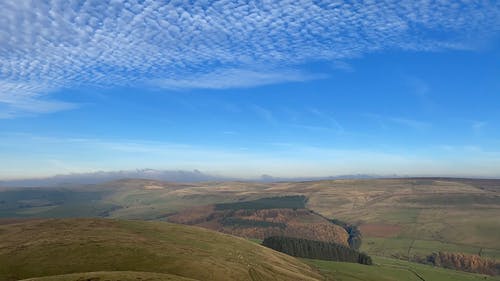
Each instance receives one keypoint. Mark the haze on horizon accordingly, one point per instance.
(289, 89)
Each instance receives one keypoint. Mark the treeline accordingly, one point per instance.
(244, 223)
(355, 237)
(284, 202)
(463, 262)
(312, 249)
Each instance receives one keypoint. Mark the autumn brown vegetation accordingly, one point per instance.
(261, 218)
(463, 262)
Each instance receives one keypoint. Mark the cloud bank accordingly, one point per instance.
(51, 45)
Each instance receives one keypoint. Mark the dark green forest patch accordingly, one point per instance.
(244, 223)
(312, 249)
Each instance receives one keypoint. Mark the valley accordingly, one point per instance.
(401, 220)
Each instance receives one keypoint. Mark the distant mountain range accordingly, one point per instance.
(104, 176)
(268, 178)
(152, 174)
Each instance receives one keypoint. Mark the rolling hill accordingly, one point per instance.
(136, 249)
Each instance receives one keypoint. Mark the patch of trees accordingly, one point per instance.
(355, 237)
(313, 249)
(284, 202)
(245, 223)
(463, 262)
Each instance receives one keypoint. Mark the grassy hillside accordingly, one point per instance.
(64, 246)
(386, 269)
(407, 217)
(54, 202)
(112, 275)
(281, 202)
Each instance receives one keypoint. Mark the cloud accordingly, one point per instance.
(236, 78)
(414, 124)
(332, 122)
(421, 90)
(342, 65)
(478, 126)
(22, 99)
(265, 114)
(195, 44)
(385, 121)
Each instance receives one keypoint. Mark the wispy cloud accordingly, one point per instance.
(265, 114)
(330, 120)
(342, 65)
(21, 99)
(386, 122)
(478, 126)
(414, 124)
(212, 44)
(236, 78)
(421, 90)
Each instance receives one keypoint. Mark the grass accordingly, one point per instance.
(64, 246)
(394, 246)
(385, 269)
(53, 202)
(386, 246)
(255, 240)
(439, 215)
(282, 202)
(454, 199)
(107, 276)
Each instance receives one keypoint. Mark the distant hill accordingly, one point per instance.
(268, 178)
(102, 176)
(152, 174)
(112, 248)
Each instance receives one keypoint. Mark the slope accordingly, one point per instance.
(112, 275)
(387, 269)
(63, 246)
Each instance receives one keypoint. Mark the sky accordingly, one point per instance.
(245, 88)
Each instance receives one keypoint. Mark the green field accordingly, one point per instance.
(400, 247)
(386, 269)
(419, 216)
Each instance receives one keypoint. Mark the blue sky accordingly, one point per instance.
(244, 88)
